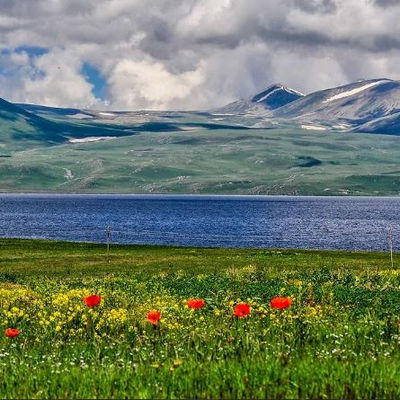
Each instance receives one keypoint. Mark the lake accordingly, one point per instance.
(211, 221)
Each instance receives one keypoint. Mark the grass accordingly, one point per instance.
(339, 339)
(186, 152)
(206, 160)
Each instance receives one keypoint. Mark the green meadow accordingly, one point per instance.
(205, 160)
(340, 338)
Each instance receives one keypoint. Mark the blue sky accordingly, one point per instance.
(94, 76)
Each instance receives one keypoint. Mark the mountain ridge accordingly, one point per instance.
(369, 106)
(357, 102)
(272, 97)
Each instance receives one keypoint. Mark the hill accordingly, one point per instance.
(314, 144)
(273, 97)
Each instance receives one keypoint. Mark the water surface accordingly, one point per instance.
(217, 221)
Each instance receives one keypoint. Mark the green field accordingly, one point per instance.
(189, 152)
(339, 339)
(221, 161)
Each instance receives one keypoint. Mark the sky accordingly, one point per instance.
(189, 54)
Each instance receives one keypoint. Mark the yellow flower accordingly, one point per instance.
(116, 316)
(176, 364)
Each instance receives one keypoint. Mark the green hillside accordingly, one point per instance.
(188, 153)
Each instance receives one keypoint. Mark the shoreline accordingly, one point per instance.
(193, 195)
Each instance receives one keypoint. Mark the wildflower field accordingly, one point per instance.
(158, 322)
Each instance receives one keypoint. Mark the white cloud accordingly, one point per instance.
(52, 79)
(192, 53)
(147, 84)
(62, 82)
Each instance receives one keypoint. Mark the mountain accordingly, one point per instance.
(389, 125)
(12, 112)
(273, 97)
(355, 104)
(276, 142)
(20, 127)
(26, 126)
(50, 111)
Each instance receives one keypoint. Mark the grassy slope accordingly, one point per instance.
(339, 340)
(278, 161)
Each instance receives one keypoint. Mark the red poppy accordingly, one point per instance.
(11, 332)
(241, 310)
(153, 317)
(280, 302)
(196, 303)
(92, 300)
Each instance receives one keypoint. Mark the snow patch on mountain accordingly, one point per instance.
(353, 91)
(81, 116)
(267, 95)
(294, 91)
(68, 174)
(190, 128)
(313, 128)
(92, 139)
(341, 126)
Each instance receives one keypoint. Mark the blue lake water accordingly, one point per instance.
(216, 221)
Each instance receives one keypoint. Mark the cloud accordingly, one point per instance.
(147, 84)
(192, 54)
(316, 6)
(52, 79)
(387, 3)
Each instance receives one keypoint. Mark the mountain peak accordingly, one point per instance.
(274, 96)
(355, 103)
(275, 90)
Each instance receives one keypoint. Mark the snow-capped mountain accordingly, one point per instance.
(271, 98)
(355, 104)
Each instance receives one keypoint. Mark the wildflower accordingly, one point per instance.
(11, 332)
(92, 300)
(280, 302)
(196, 303)
(242, 309)
(117, 316)
(153, 317)
(176, 364)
